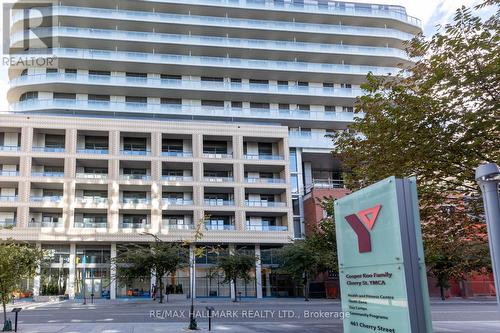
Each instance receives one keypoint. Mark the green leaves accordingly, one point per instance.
(438, 123)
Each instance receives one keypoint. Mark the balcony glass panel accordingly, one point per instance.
(7, 223)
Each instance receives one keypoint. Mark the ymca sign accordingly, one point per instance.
(381, 261)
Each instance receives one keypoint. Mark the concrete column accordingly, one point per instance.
(36, 280)
(112, 285)
(258, 272)
(72, 270)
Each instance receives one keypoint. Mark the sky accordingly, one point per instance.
(432, 13)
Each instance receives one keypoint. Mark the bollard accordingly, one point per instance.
(210, 309)
(16, 311)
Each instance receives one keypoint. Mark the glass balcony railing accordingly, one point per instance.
(225, 42)
(8, 198)
(155, 83)
(217, 155)
(53, 223)
(136, 152)
(135, 177)
(219, 227)
(134, 225)
(49, 149)
(252, 180)
(266, 228)
(177, 153)
(218, 202)
(181, 110)
(326, 184)
(136, 201)
(234, 23)
(177, 226)
(218, 179)
(47, 174)
(9, 148)
(177, 202)
(177, 178)
(98, 176)
(90, 223)
(264, 157)
(47, 199)
(6, 173)
(91, 200)
(7, 223)
(309, 140)
(160, 60)
(265, 203)
(93, 151)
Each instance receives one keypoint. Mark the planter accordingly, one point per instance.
(49, 298)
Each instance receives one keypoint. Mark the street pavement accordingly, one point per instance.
(250, 315)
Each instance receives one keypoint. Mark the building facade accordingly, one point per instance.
(159, 112)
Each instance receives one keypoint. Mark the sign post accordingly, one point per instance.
(381, 259)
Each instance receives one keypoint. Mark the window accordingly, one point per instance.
(134, 144)
(136, 99)
(293, 160)
(137, 75)
(296, 206)
(51, 70)
(133, 171)
(212, 79)
(64, 96)
(329, 108)
(284, 106)
(235, 80)
(303, 107)
(172, 173)
(327, 85)
(238, 105)
(28, 95)
(347, 109)
(219, 104)
(95, 170)
(217, 174)
(346, 85)
(102, 98)
(171, 101)
(96, 142)
(282, 83)
(254, 105)
(70, 71)
(266, 149)
(170, 77)
(54, 141)
(215, 147)
(170, 145)
(255, 81)
(94, 72)
(303, 84)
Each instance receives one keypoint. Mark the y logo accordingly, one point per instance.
(362, 226)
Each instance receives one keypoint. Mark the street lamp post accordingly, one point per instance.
(488, 178)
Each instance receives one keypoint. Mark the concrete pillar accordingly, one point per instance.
(258, 272)
(72, 270)
(112, 284)
(37, 279)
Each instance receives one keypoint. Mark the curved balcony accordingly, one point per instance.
(213, 66)
(223, 43)
(183, 111)
(221, 22)
(119, 85)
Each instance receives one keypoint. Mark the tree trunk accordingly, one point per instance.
(4, 310)
(235, 293)
(306, 288)
(441, 290)
(160, 286)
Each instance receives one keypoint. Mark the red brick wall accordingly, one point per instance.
(313, 213)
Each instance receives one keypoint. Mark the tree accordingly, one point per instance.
(302, 261)
(17, 262)
(158, 259)
(437, 120)
(236, 266)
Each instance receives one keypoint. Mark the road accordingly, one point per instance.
(270, 315)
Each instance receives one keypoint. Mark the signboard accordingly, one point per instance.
(381, 260)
